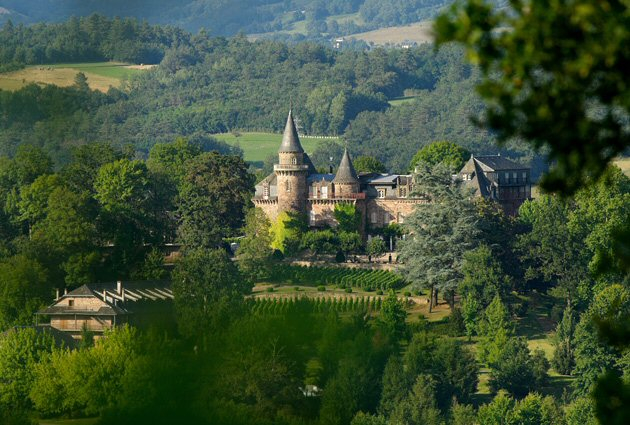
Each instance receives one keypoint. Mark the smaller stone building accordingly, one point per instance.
(101, 306)
(499, 179)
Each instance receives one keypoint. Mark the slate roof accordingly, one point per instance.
(497, 163)
(346, 172)
(290, 138)
(319, 177)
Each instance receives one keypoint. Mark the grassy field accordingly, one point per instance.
(402, 100)
(624, 164)
(419, 32)
(100, 75)
(258, 146)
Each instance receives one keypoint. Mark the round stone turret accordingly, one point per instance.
(346, 180)
(292, 170)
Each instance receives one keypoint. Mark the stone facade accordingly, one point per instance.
(296, 186)
(499, 179)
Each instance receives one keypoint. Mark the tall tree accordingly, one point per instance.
(213, 199)
(439, 234)
(208, 290)
(254, 252)
(449, 154)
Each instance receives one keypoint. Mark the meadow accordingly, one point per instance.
(257, 146)
(100, 75)
(415, 33)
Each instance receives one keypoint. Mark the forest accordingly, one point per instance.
(208, 85)
(229, 18)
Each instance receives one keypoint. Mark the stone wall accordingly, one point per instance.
(292, 190)
(381, 212)
(269, 207)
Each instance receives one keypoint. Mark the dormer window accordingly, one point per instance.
(381, 193)
(402, 192)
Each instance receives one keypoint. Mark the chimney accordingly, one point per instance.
(122, 294)
(119, 287)
(56, 294)
(104, 295)
(65, 291)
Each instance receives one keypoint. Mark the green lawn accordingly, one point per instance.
(258, 146)
(402, 100)
(105, 69)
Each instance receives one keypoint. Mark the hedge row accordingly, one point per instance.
(340, 276)
(266, 306)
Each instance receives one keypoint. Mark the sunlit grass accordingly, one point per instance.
(258, 146)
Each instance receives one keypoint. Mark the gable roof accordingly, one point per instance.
(346, 172)
(497, 163)
(290, 138)
(107, 293)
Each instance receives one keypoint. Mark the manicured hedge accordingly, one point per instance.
(340, 276)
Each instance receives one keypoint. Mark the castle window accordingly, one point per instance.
(524, 177)
(287, 186)
(382, 193)
(401, 218)
(373, 218)
(294, 160)
(402, 192)
(312, 217)
(324, 192)
(266, 191)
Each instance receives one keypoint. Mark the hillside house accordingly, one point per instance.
(499, 179)
(98, 307)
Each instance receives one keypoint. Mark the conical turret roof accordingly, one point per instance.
(346, 172)
(290, 139)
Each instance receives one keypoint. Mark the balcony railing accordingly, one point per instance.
(290, 167)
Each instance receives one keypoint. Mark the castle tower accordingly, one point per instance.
(292, 170)
(346, 181)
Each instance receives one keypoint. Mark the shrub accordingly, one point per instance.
(270, 289)
(348, 290)
(340, 257)
(379, 292)
(321, 288)
(407, 294)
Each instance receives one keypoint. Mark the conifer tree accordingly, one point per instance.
(440, 232)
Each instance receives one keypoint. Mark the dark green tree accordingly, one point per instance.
(393, 317)
(440, 232)
(208, 290)
(368, 164)
(213, 199)
(564, 353)
(449, 154)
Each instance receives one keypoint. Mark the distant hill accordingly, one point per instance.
(310, 18)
